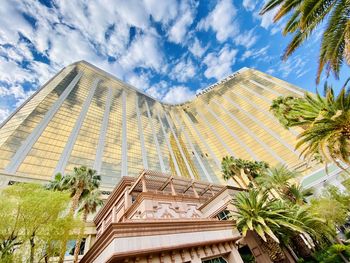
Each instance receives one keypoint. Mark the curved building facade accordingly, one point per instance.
(85, 116)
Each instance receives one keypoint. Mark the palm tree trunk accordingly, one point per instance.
(301, 247)
(78, 243)
(239, 175)
(75, 200)
(236, 182)
(252, 180)
(273, 250)
(347, 44)
(245, 186)
(73, 208)
(32, 248)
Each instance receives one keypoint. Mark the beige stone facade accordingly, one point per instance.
(162, 218)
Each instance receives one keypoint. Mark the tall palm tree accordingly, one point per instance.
(234, 167)
(305, 16)
(266, 217)
(252, 169)
(82, 180)
(329, 133)
(326, 124)
(229, 170)
(57, 184)
(281, 108)
(88, 205)
(312, 224)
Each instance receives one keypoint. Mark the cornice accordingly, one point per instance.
(116, 257)
(149, 228)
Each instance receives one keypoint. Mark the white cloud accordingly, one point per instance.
(15, 92)
(266, 20)
(162, 11)
(183, 70)
(294, 65)
(132, 12)
(171, 95)
(246, 39)
(12, 73)
(178, 94)
(222, 21)
(249, 4)
(197, 49)
(158, 90)
(9, 31)
(219, 64)
(179, 29)
(144, 52)
(258, 54)
(140, 81)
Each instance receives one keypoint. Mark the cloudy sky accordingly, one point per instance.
(169, 49)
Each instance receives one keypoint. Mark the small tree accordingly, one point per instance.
(332, 205)
(29, 223)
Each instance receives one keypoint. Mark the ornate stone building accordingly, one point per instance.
(163, 218)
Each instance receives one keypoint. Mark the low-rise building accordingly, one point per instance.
(163, 218)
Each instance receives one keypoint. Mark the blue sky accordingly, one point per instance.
(169, 49)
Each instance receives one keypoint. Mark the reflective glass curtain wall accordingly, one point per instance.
(84, 116)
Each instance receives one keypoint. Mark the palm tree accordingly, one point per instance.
(329, 133)
(298, 194)
(57, 184)
(229, 170)
(281, 108)
(315, 226)
(266, 217)
(278, 178)
(304, 16)
(89, 204)
(82, 180)
(232, 167)
(252, 169)
(326, 124)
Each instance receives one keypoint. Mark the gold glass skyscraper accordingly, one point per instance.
(85, 116)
